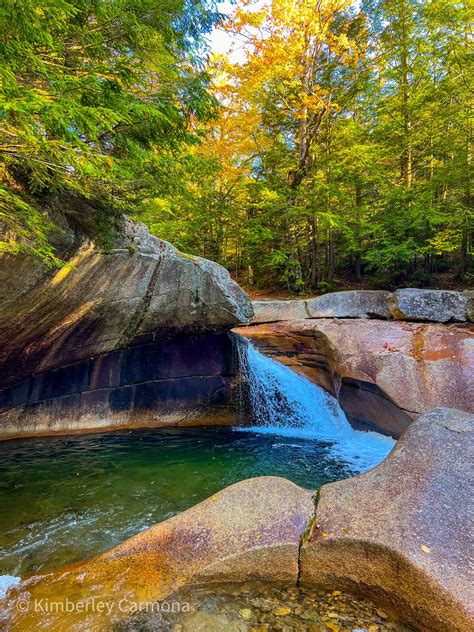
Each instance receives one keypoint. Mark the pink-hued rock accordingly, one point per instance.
(250, 530)
(402, 533)
(418, 366)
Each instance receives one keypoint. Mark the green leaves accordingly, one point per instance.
(90, 91)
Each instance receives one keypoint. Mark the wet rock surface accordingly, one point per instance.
(417, 366)
(180, 380)
(305, 352)
(261, 607)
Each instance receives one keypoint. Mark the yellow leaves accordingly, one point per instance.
(425, 549)
(283, 611)
(288, 42)
(343, 41)
(253, 19)
(245, 613)
(282, 76)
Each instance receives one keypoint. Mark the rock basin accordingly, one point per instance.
(385, 373)
(400, 534)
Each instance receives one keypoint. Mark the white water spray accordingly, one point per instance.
(285, 403)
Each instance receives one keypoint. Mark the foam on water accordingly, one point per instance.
(6, 582)
(285, 403)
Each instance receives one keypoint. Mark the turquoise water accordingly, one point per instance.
(63, 499)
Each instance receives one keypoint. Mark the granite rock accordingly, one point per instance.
(428, 305)
(402, 533)
(350, 304)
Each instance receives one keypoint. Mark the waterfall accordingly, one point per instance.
(276, 400)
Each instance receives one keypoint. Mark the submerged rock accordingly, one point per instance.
(295, 609)
(402, 533)
(350, 304)
(433, 305)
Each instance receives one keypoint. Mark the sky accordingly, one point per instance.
(221, 42)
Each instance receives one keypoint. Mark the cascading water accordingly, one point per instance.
(282, 402)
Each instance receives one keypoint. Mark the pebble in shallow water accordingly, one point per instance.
(260, 607)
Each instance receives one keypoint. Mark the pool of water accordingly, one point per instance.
(64, 499)
(262, 607)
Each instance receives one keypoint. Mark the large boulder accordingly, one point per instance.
(433, 305)
(271, 310)
(401, 534)
(249, 531)
(418, 366)
(129, 335)
(350, 304)
(469, 294)
(100, 301)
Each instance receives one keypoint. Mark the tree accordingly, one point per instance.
(342, 149)
(93, 91)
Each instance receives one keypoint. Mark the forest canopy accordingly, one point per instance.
(336, 146)
(94, 93)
